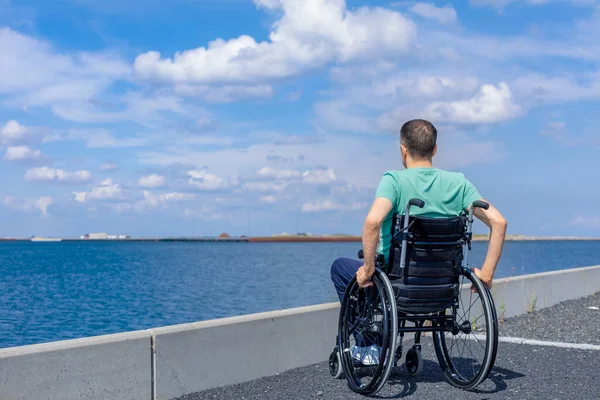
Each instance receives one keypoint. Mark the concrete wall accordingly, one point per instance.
(168, 362)
(521, 294)
(111, 367)
(198, 356)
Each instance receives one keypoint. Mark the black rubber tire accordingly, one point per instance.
(496, 330)
(384, 288)
(414, 361)
(335, 365)
(491, 344)
(393, 332)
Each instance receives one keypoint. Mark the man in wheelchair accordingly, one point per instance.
(445, 195)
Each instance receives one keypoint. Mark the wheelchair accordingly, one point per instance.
(426, 284)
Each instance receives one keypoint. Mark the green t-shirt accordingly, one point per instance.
(446, 194)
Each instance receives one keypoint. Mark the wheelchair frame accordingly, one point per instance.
(440, 322)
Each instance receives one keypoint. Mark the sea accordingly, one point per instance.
(53, 291)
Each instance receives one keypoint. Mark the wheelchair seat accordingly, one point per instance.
(429, 280)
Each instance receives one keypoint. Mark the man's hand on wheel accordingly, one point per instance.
(483, 277)
(362, 277)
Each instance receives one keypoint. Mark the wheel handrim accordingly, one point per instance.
(468, 370)
(375, 299)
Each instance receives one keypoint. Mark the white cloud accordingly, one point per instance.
(107, 190)
(12, 131)
(476, 49)
(120, 208)
(52, 174)
(443, 15)
(330, 205)
(40, 204)
(500, 4)
(207, 181)
(339, 151)
(21, 153)
(394, 85)
(265, 186)
(490, 105)
(35, 74)
(76, 86)
(320, 176)
(224, 93)
(108, 167)
(538, 89)
(152, 181)
(556, 130)
(442, 86)
(370, 102)
(96, 138)
(152, 200)
(267, 199)
(145, 109)
(275, 173)
(586, 222)
(341, 114)
(204, 213)
(287, 181)
(308, 34)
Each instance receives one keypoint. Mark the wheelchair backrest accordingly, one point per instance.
(427, 229)
(434, 252)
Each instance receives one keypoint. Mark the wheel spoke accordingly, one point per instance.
(461, 360)
(369, 312)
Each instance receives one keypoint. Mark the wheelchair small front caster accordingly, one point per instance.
(414, 361)
(335, 364)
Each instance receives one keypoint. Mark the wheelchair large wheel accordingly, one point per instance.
(496, 329)
(467, 353)
(368, 320)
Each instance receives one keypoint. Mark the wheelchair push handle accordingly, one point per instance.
(413, 202)
(481, 204)
(416, 202)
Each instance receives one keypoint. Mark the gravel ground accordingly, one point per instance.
(520, 371)
(571, 321)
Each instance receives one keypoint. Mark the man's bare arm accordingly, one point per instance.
(371, 228)
(497, 224)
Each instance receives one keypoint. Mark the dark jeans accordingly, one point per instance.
(343, 270)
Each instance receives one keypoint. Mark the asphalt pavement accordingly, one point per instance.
(521, 371)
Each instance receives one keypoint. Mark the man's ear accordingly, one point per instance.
(403, 150)
(434, 150)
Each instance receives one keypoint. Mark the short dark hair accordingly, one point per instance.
(419, 137)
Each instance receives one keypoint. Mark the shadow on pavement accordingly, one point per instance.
(498, 376)
(401, 384)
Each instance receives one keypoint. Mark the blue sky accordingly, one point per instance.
(194, 117)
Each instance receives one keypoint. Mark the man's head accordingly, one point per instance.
(418, 141)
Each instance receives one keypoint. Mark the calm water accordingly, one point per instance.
(55, 291)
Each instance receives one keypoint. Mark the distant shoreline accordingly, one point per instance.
(284, 239)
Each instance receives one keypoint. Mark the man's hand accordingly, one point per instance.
(362, 277)
(483, 277)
